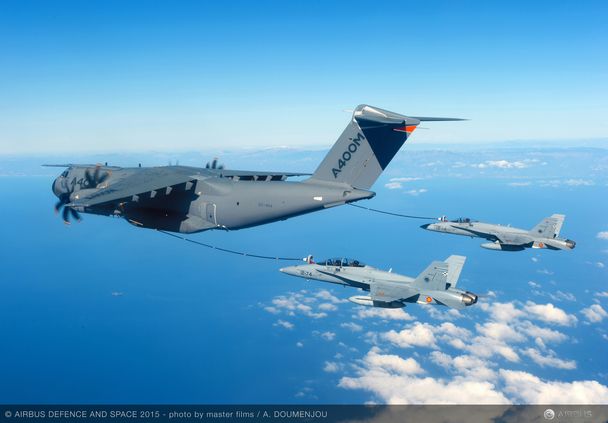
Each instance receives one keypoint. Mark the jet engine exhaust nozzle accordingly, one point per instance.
(468, 299)
(570, 244)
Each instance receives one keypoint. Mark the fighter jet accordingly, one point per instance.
(436, 285)
(506, 238)
(191, 199)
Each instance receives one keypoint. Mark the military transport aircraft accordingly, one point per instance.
(436, 285)
(190, 199)
(506, 238)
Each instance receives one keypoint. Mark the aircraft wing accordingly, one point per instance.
(247, 175)
(505, 238)
(387, 291)
(134, 185)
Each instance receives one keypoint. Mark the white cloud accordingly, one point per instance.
(327, 296)
(519, 184)
(600, 265)
(352, 326)
(285, 324)
(546, 334)
(327, 307)
(529, 389)
(602, 235)
(328, 336)
(549, 359)
(331, 367)
(383, 313)
(294, 303)
(578, 182)
(560, 295)
(418, 334)
(502, 312)
(501, 164)
(392, 363)
(397, 183)
(449, 314)
(595, 313)
(550, 314)
(499, 331)
(299, 344)
(603, 294)
(416, 192)
(533, 284)
(406, 179)
(393, 185)
(394, 381)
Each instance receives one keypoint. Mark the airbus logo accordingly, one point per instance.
(348, 153)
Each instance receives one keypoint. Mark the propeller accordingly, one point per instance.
(96, 177)
(64, 199)
(214, 165)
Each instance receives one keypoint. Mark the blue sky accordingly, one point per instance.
(115, 76)
(105, 312)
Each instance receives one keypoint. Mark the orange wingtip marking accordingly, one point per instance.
(408, 128)
(429, 299)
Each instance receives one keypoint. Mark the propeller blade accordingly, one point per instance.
(89, 178)
(75, 214)
(58, 205)
(103, 178)
(66, 215)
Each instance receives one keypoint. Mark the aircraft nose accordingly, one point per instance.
(56, 187)
(425, 226)
(290, 270)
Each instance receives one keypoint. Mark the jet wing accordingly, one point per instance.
(246, 175)
(387, 291)
(129, 188)
(505, 238)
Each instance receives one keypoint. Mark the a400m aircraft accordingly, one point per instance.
(190, 199)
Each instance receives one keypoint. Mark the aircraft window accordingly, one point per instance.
(462, 220)
(341, 262)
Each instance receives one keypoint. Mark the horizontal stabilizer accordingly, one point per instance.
(436, 119)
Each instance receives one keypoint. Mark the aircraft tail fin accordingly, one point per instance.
(434, 277)
(366, 147)
(455, 264)
(549, 227)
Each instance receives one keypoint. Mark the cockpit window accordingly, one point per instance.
(462, 220)
(343, 262)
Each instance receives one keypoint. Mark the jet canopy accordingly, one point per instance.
(462, 220)
(343, 262)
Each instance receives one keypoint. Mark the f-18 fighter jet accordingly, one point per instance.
(191, 199)
(435, 285)
(506, 238)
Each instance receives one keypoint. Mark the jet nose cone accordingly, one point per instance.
(56, 187)
(425, 226)
(289, 270)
